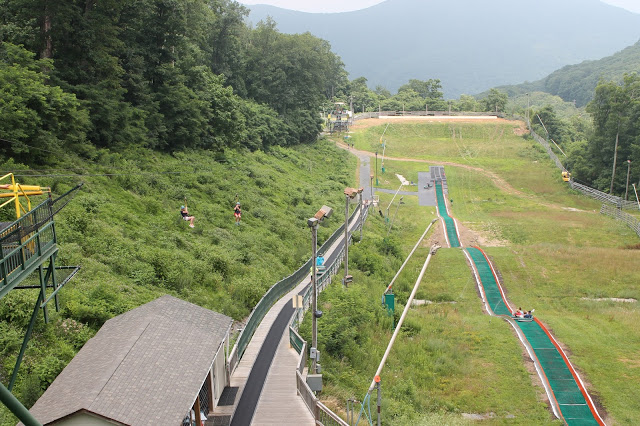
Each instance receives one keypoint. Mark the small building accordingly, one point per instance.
(150, 366)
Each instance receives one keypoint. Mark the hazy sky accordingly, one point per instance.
(348, 5)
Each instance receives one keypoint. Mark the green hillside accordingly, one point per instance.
(578, 82)
(480, 44)
(124, 229)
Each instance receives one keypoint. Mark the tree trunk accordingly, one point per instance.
(47, 49)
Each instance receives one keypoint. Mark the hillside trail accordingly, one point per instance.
(496, 179)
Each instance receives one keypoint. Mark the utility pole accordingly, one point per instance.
(346, 238)
(349, 193)
(626, 191)
(615, 159)
(313, 222)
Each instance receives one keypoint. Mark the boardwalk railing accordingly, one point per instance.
(278, 290)
(321, 413)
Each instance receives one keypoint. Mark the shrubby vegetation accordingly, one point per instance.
(124, 229)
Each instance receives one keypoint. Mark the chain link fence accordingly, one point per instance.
(618, 214)
(618, 202)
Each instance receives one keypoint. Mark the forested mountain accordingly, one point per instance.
(161, 74)
(469, 45)
(578, 82)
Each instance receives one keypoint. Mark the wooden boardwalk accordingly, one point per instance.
(284, 363)
(279, 403)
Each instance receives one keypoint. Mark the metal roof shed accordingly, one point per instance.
(144, 367)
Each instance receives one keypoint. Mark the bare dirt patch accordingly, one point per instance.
(611, 299)
(371, 122)
(632, 363)
(521, 130)
(471, 238)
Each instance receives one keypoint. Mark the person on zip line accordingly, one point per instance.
(237, 212)
(186, 216)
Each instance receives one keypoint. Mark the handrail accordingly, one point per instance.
(276, 291)
(23, 242)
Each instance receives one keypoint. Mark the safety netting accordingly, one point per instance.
(450, 225)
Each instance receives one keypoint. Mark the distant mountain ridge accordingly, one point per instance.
(578, 82)
(470, 45)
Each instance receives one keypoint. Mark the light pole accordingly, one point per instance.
(527, 113)
(376, 168)
(361, 209)
(313, 222)
(626, 192)
(350, 193)
(371, 179)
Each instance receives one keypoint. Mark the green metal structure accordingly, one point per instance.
(29, 245)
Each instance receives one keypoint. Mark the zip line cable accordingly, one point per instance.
(112, 174)
(84, 174)
(29, 146)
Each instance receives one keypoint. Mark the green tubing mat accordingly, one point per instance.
(491, 290)
(572, 403)
(565, 388)
(448, 221)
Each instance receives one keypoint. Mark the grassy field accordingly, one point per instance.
(555, 253)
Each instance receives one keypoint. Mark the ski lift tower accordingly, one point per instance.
(340, 118)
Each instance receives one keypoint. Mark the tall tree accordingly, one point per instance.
(495, 101)
(615, 110)
(39, 121)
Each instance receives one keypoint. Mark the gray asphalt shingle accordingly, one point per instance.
(144, 365)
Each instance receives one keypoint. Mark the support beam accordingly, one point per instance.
(17, 408)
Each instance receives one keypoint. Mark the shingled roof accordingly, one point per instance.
(144, 367)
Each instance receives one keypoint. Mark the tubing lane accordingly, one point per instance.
(564, 387)
(451, 230)
(567, 389)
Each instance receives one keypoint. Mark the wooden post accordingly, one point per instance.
(210, 388)
(196, 408)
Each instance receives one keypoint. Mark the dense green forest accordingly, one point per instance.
(149, 104)
(577, 83)
(166, 75)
